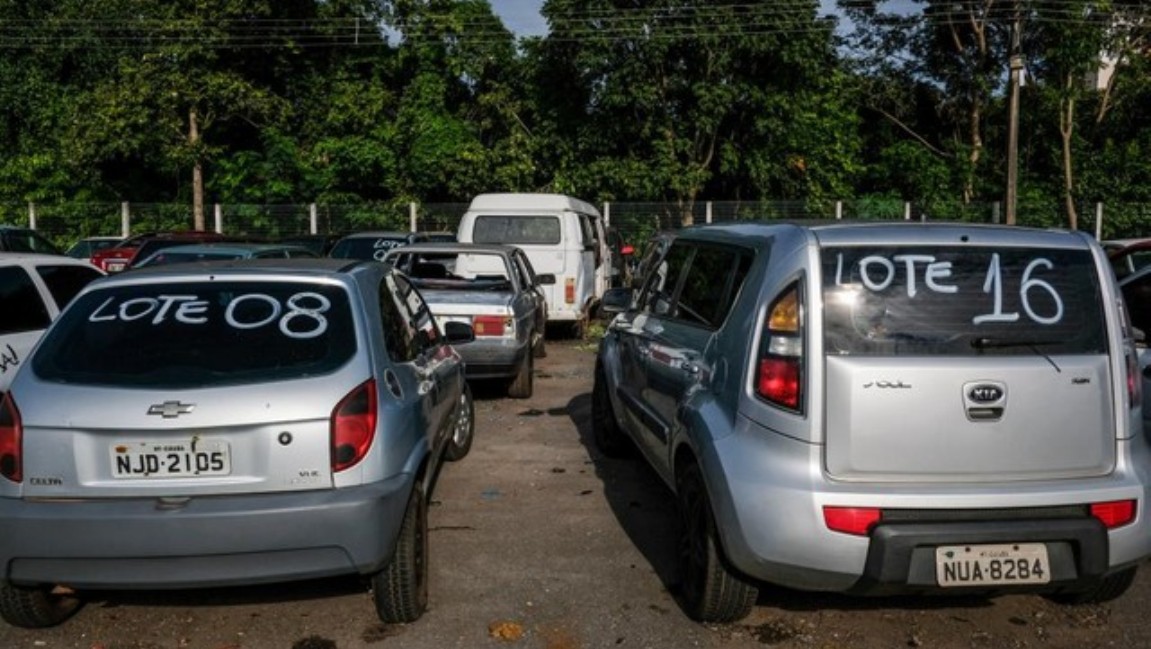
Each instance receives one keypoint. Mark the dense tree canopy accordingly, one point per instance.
(290, 101)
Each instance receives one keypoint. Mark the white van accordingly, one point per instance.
(561, 235)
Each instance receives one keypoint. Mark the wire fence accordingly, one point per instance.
(65, 223)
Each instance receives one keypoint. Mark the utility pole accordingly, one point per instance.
(1013, 125)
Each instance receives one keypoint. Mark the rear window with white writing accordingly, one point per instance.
(961, 301)
(199, 334)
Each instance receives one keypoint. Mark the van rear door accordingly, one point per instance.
(963, 364)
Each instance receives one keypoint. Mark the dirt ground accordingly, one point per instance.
(538, 542)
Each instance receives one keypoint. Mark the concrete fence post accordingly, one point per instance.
(125, 219)
(313, 219)
(707, 212)
(218, 211)
(907, 211)
(412, 216)
(31, 215)
(607, 214)
(1099, 221)
(839, 210)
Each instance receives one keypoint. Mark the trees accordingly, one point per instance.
(668, 99)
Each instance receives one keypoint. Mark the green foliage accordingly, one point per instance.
(381, 103)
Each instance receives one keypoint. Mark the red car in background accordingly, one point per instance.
(137, 247)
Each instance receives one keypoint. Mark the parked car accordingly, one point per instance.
(563, 236)
(229, 423)
(224, 251)
(85, 247)
(373, 244)
(321, 244)
(620, 268)
(16, 239)
(33, 290)
(495, 290)
(139, 247)
(1128, 255)
(883, 408)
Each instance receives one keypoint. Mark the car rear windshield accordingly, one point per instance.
(199, 334)
(961, 301)
(491, 228)
(367, 248)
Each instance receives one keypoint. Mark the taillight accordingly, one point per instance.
(1134, 381)
(569, 290)
(1114, 514)
(354, 426)
(779, 369)
(491, 325)
(11, 463)
(851, 520)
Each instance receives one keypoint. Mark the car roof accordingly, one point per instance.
(315, 266)
(378, 233)
(849, 232)
(448, 246)
(37, 259)
(233, 246)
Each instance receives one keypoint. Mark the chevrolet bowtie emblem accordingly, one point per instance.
(171, 409)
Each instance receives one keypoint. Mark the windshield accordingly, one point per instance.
(199, 335)
(961, 301)
(517, 229)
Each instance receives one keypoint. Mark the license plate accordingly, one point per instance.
(171, 459)
(992, 565)
(115, 267)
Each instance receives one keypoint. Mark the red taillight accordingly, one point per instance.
(490, 325)
(1114, 514)
(851, 520)
(354, 426)
(1134, 381)
(779, 370)
(569, 290)
(11, 463)
(778, 381)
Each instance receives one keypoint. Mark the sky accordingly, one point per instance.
(523, 17)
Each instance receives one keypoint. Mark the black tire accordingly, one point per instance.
(400, 590)
(521, 385)
(609, 439)
(464, 428)
(1107, 589)
(711, 591)
(35, 607)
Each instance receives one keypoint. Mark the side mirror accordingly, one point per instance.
(616, 300)
(546, 279)
(459, 332)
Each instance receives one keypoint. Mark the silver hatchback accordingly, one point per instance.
(883, 408)
(229, 423)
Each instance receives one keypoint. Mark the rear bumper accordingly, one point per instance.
(768, 492)
(204, 541)
(493, 358)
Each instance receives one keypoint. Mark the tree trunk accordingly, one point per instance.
(1066, 130)
(197, 170)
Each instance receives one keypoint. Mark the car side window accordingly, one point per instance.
(64, 282)
(21, 308)
(696, 283)
(409, 328)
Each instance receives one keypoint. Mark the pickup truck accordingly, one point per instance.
(493, 288)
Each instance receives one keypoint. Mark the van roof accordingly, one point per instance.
(527, 202)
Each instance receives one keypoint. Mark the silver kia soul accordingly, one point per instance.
(883, 408)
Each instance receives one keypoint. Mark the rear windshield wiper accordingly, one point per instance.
(984, 342)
